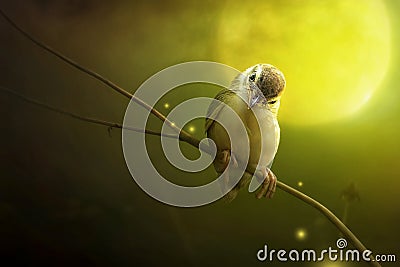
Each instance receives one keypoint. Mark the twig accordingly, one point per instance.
(82, 118)
(186, 137)
(347, 233)
(183, 134)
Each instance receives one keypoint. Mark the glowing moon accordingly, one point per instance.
(334, 54)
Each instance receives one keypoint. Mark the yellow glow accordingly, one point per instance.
(334, 54)
(166, 105)
(192, 129)
(301, 234)
(300, 183)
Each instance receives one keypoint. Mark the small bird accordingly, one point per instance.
(254, 96)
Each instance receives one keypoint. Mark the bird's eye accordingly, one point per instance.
(252, 77)
(272, 102)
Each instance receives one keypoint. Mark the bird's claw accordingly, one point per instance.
(268, 186)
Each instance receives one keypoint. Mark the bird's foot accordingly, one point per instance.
(268, 186)
(224, 159)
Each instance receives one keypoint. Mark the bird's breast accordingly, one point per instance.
(264, 136)
(262, 132)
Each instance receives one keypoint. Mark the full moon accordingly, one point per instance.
(334, 54)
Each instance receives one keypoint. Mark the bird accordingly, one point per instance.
(255, 96)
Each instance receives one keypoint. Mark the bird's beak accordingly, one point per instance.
(253, 94)
(253, 101)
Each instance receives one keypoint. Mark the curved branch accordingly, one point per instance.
(331, 217)
(186, 137)
(82, 118)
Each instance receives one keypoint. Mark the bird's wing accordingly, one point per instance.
(216, 107)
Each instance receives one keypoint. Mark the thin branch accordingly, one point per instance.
(82, 118)
(331, 217)
(186, 137)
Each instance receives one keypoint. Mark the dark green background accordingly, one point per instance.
(67, 198)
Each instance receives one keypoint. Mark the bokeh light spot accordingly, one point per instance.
(301, 234)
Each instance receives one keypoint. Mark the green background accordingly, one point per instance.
(67, 198)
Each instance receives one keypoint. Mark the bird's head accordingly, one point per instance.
(271, 82)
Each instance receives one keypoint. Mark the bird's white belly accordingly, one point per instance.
(268, 138)
(263, 136)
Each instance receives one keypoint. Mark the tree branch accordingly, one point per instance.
(183, 136)
(82, 118)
